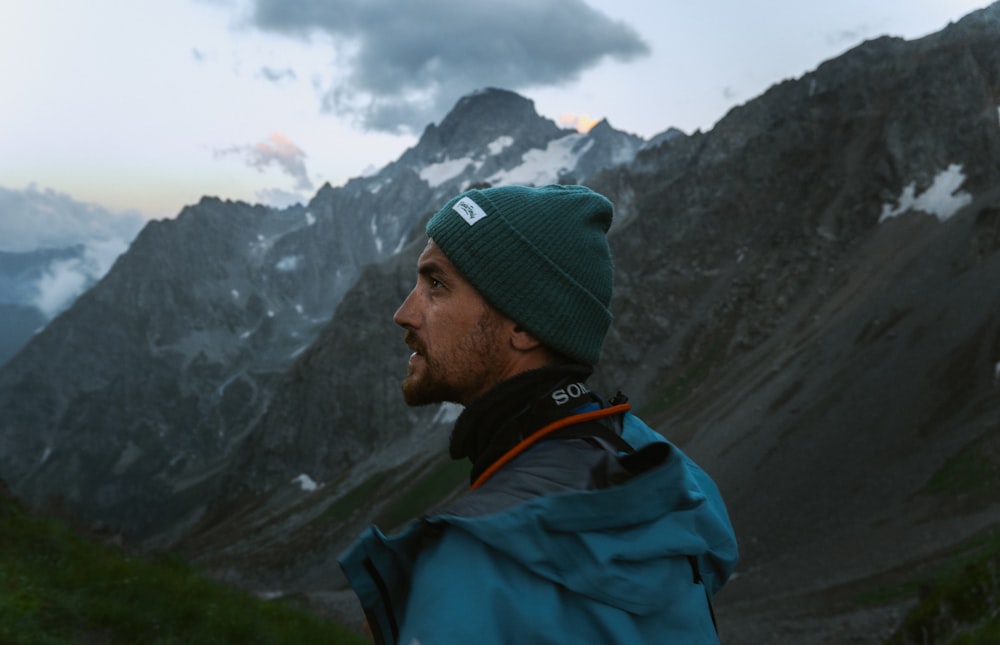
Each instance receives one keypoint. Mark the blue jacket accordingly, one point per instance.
(531, 558)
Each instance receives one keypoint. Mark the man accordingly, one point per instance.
(582, 524)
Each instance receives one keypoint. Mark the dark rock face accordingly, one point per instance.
(341, 401)
(826, 361)
(130, 397)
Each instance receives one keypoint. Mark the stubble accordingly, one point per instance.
(459, 372)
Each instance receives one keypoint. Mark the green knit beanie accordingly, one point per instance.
(539, 255)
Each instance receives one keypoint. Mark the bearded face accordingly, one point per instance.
(456, 369)
(456, 337)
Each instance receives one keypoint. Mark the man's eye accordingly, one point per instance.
(435, 283)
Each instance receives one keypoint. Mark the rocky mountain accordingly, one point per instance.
(127, 408)
(828, 325)
(806, 300)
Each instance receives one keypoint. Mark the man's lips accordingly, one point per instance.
(414, 344)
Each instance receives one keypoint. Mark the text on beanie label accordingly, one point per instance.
(469, 210)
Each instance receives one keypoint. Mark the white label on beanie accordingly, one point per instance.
(469, 210)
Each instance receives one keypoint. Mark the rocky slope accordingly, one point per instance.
(828, 308)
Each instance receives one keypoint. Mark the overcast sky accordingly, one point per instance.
(143, 107)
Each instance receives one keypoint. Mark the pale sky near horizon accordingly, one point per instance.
(148, 106)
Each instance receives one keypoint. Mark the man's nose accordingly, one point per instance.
(404, 316)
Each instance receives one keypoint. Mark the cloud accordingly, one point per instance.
(37, 219)
(845, 36)
(91, 238)
(579, 122)
(277, 75)
(408, 62)
(277, 150)
(853, 36)
(279, 198)
(64, 280)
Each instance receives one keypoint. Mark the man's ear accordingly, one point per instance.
(523, 340)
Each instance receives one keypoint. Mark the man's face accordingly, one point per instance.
(456, 336)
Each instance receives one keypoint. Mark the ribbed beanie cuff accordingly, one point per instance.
(539, 255)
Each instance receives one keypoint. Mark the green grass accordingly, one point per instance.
(57, 587)
(957, 600)
(981, 547)
(987, 633)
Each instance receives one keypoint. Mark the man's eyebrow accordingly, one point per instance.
(430, 268)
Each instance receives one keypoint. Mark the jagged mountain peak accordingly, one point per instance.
(483, 120)
(492, 108)
(495, 136)
(604, 128)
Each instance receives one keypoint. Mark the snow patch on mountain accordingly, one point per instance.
(942, 199)
(288, 263)
(500, 144)
(306, 483)
(539, 167)
(260, 246)
(443, 171)
(379, 244)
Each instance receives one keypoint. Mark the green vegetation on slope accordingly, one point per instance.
(973, 472)
(56, 587)
(959, 605)
(423, 494)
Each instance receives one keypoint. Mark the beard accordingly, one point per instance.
(458, 372)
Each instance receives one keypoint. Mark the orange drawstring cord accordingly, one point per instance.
(534, 437)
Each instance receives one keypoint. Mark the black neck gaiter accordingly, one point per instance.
(511, 411)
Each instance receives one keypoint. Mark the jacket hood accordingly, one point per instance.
(621, 544)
